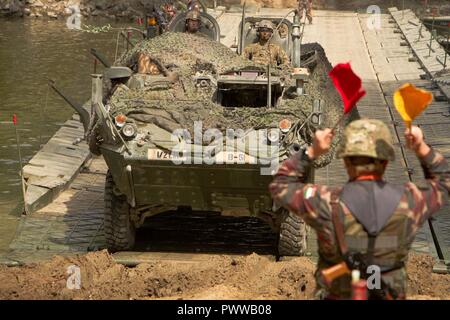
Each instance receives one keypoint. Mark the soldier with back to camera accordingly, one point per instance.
(368, 221)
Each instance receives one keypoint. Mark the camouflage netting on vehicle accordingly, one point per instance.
(177, 102)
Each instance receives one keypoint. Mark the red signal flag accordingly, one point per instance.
(348, 84)
(14, 119)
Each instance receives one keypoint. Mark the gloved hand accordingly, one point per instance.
(414, 141)
(321, 143)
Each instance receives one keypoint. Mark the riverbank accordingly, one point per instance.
(131, 9)
(57, 9)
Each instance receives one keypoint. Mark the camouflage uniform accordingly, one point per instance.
(307, 6)
(264, 54)
(392, 213)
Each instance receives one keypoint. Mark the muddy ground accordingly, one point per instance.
(223, 277)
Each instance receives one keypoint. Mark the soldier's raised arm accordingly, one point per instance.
(289, 188)
(427, 200)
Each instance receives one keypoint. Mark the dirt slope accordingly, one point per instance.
(223, 277)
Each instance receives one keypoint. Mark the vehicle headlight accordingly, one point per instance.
(120, 120)
(285, 125)
(273, 135)
(129, 130)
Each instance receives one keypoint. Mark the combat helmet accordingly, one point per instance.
(193, 15)
(266, 24)
(368, 138)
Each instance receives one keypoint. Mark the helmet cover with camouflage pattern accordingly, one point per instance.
(193, 15)
(266, 24)
(368, 138)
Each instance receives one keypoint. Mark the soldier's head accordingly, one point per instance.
(193, 21)
(366, 148)
(265, 30)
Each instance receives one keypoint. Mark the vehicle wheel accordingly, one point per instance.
(119, 230)
(293, 236)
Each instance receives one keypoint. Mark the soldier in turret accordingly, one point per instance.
(264, 52)
(305, 5)
(193, 22)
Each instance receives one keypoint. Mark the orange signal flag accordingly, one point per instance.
(410, 102)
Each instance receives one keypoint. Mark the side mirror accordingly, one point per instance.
(118, 73)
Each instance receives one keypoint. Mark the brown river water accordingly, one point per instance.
(31, 52)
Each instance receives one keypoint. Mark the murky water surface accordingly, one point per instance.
(31, 52)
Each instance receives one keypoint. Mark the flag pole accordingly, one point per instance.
(338, 122)
(408, 125)
(20, 162)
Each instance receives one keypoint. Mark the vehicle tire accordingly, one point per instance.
(293, 236)
(119, 230)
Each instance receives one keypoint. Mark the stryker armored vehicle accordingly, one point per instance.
(183, 121)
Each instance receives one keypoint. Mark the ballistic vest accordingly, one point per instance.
(373, 218)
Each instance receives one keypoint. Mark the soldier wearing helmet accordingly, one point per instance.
(193, 22)
(305, 5)
(368, 221)
(169, 11)
(263, 52)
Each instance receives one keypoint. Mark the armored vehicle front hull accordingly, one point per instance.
(194, 94)
(152, 186)
(202, 187)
